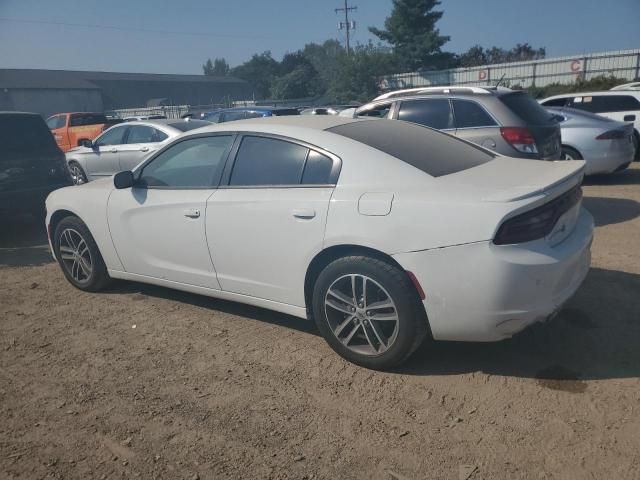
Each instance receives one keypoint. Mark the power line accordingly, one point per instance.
(132, 29)
(347, 25)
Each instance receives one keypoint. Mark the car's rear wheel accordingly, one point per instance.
(368, 311)
(77, 173)
(78, 255)
(569, 153)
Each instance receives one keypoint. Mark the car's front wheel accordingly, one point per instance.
(368, 311)
(78, 255)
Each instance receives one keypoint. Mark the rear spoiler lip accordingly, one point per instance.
(522, 193)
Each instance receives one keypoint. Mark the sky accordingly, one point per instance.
(165, 36)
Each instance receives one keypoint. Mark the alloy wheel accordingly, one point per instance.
(77, 175)
(75, 255)
(361, 314)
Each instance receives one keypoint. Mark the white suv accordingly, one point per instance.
(621, 105)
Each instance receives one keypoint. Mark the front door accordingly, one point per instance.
(158, 226)
(266, 224)
(103, 159)
(141, 141)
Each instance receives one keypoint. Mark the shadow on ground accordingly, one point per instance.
(23, 242)
(607, 211)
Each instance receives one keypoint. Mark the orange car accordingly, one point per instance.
(70, 129)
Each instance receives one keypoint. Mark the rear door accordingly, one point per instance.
(140, 142)
(266, 221)
(103, 159)
(540, 123)
(475, 124)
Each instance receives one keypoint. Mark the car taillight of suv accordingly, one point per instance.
(519, 138)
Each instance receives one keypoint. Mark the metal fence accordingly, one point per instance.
(170, 111)
(624, 64)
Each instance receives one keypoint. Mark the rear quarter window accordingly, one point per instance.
(433, 152)
(526, 108)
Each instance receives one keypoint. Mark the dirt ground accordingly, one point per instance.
(145, 382)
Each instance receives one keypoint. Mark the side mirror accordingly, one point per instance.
(85, 143)
(123, 180)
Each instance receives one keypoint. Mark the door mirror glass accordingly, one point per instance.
(123, 180)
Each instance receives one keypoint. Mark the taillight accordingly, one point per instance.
(537, 223)
(519, 138)
(613, 135)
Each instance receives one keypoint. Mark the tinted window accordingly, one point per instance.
(432, 152)
(254, 115)
(285, 111)
(197, 162)
(558, 102)
(231, 116)
(145, 134)
(379, 111)
(526, 108)
(268, 161)
(80, 119)
(187, 125)
(606, 103)
(56, 122)
(434, 113)
(469, 114)
(317, 170)
(213, 117)
(24, 133)
(113, 136)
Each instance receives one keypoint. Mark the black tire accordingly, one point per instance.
(77, 174)
(410, 328)
(570, 153)
(74, 269)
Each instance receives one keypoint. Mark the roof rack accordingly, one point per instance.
(482, 90)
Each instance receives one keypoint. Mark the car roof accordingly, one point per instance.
(445, 90)
(635, 93)
(312, 122)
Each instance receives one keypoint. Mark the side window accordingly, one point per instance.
(197, 162)
(469, 114)
(556, 102)
(213, 118)
(253, 115)
(434, 113)
(145, 134)
(268, 161)
(231, 116)
(114, 136)
(380, 111)
(317, 170)
(56, 122)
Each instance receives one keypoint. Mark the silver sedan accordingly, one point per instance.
(123, 146)
(604, 144)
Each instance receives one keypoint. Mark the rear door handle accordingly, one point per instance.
(144, 149)
(304, 213)
(192, 213)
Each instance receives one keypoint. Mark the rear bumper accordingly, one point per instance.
(607, 160)
(483, 292)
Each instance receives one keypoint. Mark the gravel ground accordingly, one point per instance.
(145, 382)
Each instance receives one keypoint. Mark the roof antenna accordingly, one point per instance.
(500, 81)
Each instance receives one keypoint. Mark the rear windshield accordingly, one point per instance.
(526, 108)
(431, 151)
(187, 125)
(25, 134)
(285, 111)
(79, 119)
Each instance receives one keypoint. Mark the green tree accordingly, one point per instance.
(478, 55)
(411, 31)
(218, 68)
(260, 71)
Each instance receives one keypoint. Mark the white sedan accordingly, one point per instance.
(383, 232)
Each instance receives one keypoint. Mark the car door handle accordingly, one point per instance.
(144, 149)
(114, 150)
(629, 118)
(192, 213)
(304, 213)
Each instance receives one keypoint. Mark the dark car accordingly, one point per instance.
(507, 121)
(240, 113)
(31, 164)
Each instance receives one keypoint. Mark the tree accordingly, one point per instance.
(411, 31)
(260, 71)
(218, 68)
(477, 55)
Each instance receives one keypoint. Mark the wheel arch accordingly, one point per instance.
(572, 147)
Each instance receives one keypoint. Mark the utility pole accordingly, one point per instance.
(347, 25)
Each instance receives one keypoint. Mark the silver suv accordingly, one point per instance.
(507, 121)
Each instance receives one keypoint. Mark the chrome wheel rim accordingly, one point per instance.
(361, 314)
(76, 174)
(75, 255)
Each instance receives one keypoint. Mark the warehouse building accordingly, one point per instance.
(53, 91)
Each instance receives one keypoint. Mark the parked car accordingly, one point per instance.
(620, 105)
(382, 232)
(604, 144)
(123, 146)
(241, 113)
(31, 164)
(507, 121)
(70, 129)
(627, 86)
(326, 110)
